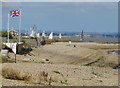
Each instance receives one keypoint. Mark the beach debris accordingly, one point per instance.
(45, 60)
(74, 45)
(58, 72)
(26, 59)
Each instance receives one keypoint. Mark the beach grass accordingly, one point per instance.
(6, 60)
(53, 41)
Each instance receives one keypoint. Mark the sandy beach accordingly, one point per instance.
(77, 64)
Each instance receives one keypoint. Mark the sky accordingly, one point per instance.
(60, 0)
(100, 17)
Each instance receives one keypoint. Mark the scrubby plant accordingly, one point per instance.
(24, 42)
(54, 40)
(10, 73)
(42, 78)
(5, 34)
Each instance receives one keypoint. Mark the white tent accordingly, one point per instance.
(38, 35)
(60, 36)
(51, 35)
(43, 34)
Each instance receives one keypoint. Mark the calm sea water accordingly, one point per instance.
(116, 51)
(91, 39)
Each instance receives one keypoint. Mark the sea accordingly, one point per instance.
(90, 38)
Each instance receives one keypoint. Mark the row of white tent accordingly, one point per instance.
(35, 34)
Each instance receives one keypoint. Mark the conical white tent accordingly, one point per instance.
(38, 35)
(43, 34)
(51, 35)
(60, 36)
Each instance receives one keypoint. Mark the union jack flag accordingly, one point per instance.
(14, 13)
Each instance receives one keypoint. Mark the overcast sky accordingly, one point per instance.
(64, 16)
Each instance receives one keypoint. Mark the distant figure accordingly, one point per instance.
(70, 42)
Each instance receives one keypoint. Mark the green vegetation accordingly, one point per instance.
(53, 41)
(24, 42)
(4, 59)
(5, 34)
(0, 59)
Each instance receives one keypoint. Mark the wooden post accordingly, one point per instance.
(15, 58)
(50, 80)
(8, 27)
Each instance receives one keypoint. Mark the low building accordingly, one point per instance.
(14, 32)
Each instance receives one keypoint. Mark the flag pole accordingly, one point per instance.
(8, 27)
(20, 26)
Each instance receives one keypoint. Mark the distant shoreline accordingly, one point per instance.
(86, 39)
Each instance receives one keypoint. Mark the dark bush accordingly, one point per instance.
(5, 34)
